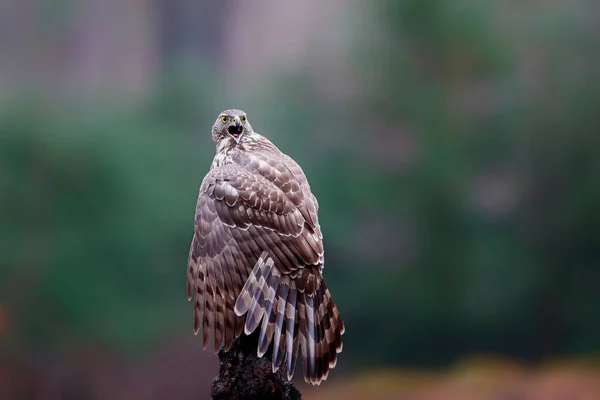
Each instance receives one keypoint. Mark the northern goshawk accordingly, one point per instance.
(256, 258)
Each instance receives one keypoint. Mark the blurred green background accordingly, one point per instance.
(453, 147)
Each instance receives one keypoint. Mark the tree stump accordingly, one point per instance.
(244, 376)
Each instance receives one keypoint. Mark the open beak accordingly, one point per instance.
(236, 129)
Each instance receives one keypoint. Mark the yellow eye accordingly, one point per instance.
(224, 119)
(244, 119)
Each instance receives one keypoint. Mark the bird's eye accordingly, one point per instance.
(244, 119)
(224, 119)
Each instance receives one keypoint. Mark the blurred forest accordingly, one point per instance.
(453, 147)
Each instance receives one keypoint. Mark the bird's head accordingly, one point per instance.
(231, 125)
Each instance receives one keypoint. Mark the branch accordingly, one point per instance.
(243, 375)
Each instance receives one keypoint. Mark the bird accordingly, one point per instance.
(256, 256)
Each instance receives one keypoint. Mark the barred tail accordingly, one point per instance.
(291, 319)
(321, 329)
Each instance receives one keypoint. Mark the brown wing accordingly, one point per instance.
(267, 160)
(239, 215)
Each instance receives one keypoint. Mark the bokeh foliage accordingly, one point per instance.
(458, 189)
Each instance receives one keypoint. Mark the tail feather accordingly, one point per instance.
(322, 345)
(327, 335)
(334, 328)
(246, 296)
(279, 334)
(238, 277)
(209, 314)
(302, 338)
(292, 354)
(230, 319)
(220, 305)
(292, 319)
(192, 270)
(313, 340)
(291, 330)
(199, 302)
(268, 322)
(212, 305)
(196, 286)
(256, 311)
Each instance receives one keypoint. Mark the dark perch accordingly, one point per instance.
(243, 375)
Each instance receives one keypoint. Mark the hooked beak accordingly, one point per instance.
(236, 129)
